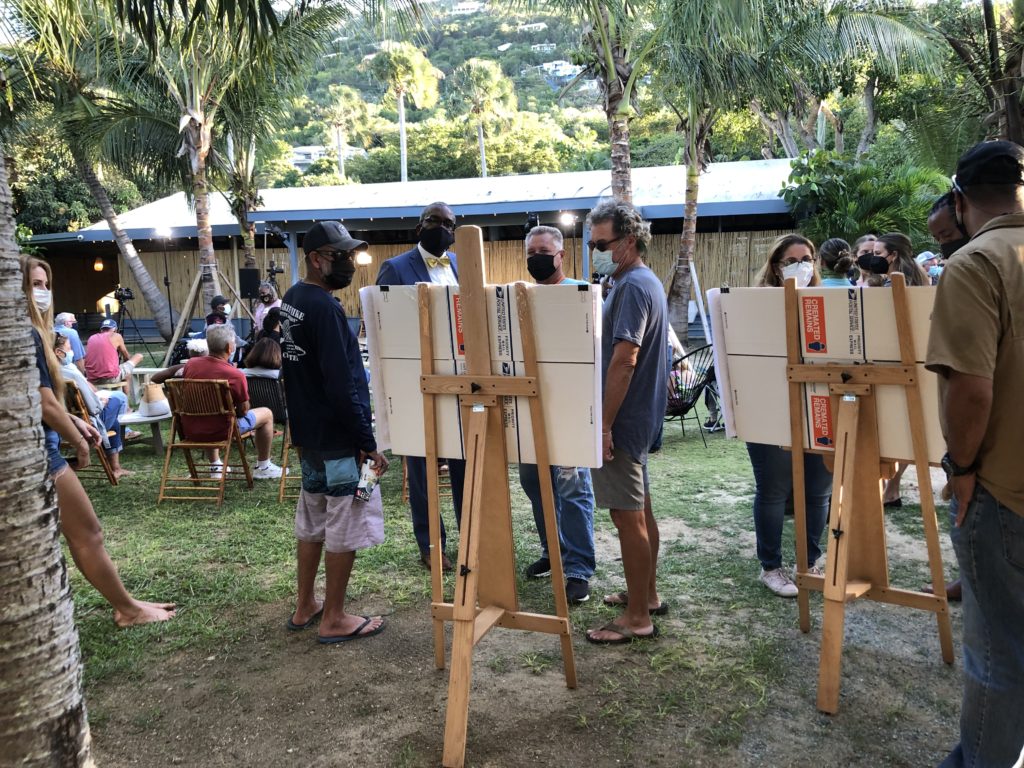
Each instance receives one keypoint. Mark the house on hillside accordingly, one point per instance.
(303, 157)
(544, 47)
(467, 8)
(540, 26)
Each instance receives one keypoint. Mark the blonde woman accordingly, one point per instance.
(78, 520)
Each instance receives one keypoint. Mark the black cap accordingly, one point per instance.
(331, 233)
(991, 162)
(217, 301)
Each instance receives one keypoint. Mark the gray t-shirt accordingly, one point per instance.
(636, 311)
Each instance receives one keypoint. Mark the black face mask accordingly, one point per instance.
(948, 249)
(541, 266)
(266, 299)
(436, 240)
(876, 265)
(341, 274)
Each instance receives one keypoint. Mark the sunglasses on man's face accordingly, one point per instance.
(602, 245)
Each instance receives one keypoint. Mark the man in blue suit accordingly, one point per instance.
(428, 262)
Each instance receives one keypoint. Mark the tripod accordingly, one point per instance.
(124, 312)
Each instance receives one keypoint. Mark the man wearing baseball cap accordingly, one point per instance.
(976, 347)
(106, 357)
(329, 418)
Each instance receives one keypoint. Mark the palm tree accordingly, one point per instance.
(616, 46)
(346, 114)
(716, 50)
(478, 88)
(404, 70)
(68, 76)
(991, 48)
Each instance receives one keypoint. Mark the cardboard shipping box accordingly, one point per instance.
(836, 325)
(568, 319)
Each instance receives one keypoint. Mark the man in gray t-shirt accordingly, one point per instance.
(635, 369)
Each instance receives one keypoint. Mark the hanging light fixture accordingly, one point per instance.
(98, 265)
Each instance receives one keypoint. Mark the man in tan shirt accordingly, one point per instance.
(977, 348)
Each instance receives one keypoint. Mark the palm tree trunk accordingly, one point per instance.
(155, 300)
(403, 149)
(679, 291)
(622, 175)
(42, 712)
(248, 239)
(199, 150)
(483, 151)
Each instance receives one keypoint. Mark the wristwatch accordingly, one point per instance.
(955, 470)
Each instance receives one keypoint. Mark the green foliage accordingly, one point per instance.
(833, 196)
(405, 71)
(49, 195)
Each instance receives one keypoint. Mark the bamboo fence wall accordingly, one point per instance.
(721, 257)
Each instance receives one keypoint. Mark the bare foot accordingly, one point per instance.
(607, 634)
(304, 614)
(349, 623)
(119, 473)
(145, 613)
(621, 600)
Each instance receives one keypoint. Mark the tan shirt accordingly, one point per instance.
(978, 329)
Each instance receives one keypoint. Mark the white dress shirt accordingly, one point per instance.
(439, 275)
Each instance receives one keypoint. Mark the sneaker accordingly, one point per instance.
(269, 472)
(538, 569)
(778, 581)
(216, 470)
(577, 590)
(714, 425)
(816, 570)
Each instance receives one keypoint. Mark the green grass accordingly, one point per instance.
(720, 661)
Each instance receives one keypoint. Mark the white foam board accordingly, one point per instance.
(882, 341)
(754, 321)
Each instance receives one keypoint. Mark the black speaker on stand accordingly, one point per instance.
(249, 288)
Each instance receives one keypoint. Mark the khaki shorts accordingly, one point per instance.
(342, 523)
(621, 483)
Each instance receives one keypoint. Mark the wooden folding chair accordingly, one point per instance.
(75, 404)
(209, 398)
(444, 481)
(290, 484)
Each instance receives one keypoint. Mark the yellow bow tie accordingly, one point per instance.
(437, 261)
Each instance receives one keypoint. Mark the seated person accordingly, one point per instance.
(221, 342)
(106, 357)
(64, 324)
(264, 359)
(220, 311)
(271, 325)
(104, 406)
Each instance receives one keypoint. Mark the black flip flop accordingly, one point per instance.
(621, 600)
(293, 627)
(356, 634)
(627, 635)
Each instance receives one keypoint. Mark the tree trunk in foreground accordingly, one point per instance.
(679, 290)
(42, 712)
(155, 300)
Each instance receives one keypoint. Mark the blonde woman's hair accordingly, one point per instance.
(42, 321)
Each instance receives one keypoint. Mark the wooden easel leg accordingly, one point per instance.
(830, 665)
(185, 317)
(465, 601)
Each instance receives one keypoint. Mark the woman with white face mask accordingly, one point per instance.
(790, 256)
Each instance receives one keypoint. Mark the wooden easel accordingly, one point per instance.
(485, 583)
(857, 563)
(185, 318)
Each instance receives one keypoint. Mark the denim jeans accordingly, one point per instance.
(116, 405)
(574, 510)
(990, 550)
(773, 477)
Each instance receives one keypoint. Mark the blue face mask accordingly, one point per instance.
(603, 263)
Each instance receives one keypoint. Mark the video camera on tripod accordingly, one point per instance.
(124, 294)
(273, 269)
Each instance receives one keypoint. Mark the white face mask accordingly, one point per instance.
(803, 271)
(42, 298)
(603, 262)
(227, 309)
